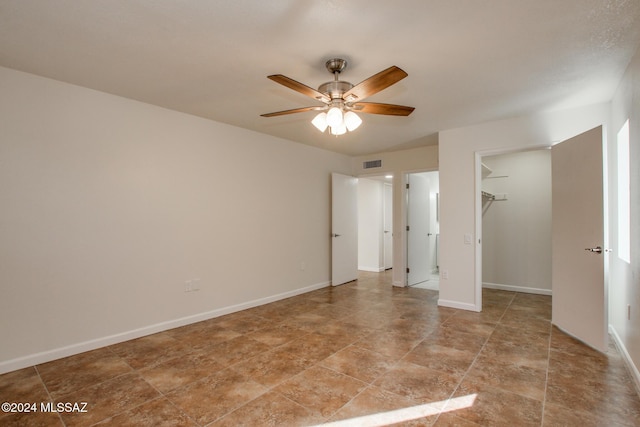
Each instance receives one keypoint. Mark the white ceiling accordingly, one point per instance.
(469, 61)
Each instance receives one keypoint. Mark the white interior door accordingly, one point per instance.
(434, 226)
(418, 232)
(579, 300)
(344, 229)
(388, 226)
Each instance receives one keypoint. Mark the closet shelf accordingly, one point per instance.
(494, 197)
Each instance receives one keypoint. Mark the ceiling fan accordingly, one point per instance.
(342, 99)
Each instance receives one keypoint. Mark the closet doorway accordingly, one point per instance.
(516, 221)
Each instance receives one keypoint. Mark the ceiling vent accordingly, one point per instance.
(372, 164)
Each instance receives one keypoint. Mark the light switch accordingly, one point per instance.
(467, 239)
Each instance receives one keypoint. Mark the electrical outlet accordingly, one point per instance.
(195, 284)
(303, 266)
(188, 286)
(445, 274)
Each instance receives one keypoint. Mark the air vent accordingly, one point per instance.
(372, 164)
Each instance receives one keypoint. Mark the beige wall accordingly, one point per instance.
(110, 205)
(459, 182)
(624, 285)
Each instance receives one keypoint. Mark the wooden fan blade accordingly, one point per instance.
(375, 84)
(295, 110)
(299, 87)
(387, 109)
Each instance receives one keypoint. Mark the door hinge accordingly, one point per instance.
(407, 186)
(407, 228)
(408, 270)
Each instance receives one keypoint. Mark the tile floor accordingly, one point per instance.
(361, 354)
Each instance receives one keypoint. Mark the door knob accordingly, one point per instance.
(335, 235)
(597, 249)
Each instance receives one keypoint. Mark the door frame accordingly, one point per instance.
(478, 210)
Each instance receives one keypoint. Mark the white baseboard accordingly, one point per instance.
(70, 350)
(512, 288)
(458, 305)
(372, 269)
(633, 370)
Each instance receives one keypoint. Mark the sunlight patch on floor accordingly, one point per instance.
(406, 414)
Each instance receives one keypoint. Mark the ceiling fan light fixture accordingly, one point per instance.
(320, 122)
(341, 97)
(334, 117)
(352, 121)
(341, 129)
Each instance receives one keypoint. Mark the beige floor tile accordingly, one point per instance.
(273, 367)
(495, 407)
(277, 335)
(520, 379)
(237, 350)
(460, 340)
(215, 396)
(270, 410)
(390, 343)
(315, 347)
(180, 371)
(361, 353)
(156, 413)
(151, 350)
(419, 383)
(375, 406)
(359, 363)
(108, 399)
(73, 373)
(321, 390)
(441, 358)
(23, 385)
(532, 354)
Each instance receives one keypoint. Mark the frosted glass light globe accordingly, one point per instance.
(334, 117)
(341, 129)
(320, 122)
(352, 121)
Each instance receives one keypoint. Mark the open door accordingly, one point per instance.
(388, 226)
(344, 229)
(579, 298)
(418, 232)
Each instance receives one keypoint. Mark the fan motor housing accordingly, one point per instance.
(335, 89)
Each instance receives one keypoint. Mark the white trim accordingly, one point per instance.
(372, 269)
(70, 350)
(458, 305)
(513, 288)
(477, 236)
(478, 155)
(633, 370)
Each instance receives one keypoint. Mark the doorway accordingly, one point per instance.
(423, 229)
(578, 241)
(375, 223)
(516, 221)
